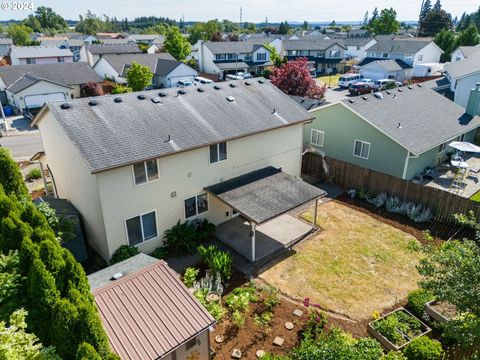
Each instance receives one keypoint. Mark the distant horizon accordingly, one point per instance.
(276, 11)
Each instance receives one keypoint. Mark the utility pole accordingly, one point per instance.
(419, 19)
(241, 15)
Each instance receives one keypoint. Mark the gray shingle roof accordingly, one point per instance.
(63, 73)
(6, 41)
(426, 119)
(112, 134)
(307, 103)
(400, 45)
(389, 65)
(39, 51)
(357, 41)
(464, 67)
(468, 51)
(231, 47)
(311, 44)
(70, 42)
(26, 81)
(264, 194)
(118, 62)
(100, 49)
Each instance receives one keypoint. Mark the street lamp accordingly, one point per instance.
(236, 64)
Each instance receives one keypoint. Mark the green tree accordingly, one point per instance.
(386, 23)
(305, 25)
(20, 34)
(437, 6)
(469, 36)
(17, 344)
(447, 42)
(10, 176)
(373, 18)
(365, 19)
(426, 8)
(175, 44)
(138, 76)
(275, 57)
(87, 352)
(451, 272)
(434, 22)
(284, 28)
(11, 284)
(50, 20)
(32, 22)
(89, 24)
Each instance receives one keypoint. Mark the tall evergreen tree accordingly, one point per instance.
(365, 19)
(426, 8)
(469, 37)
(437, 6)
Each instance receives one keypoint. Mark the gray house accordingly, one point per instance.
(5, 46)
(399, 133)
(385, 69)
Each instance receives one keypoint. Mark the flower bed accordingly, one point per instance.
(440, 311)
(397, 329)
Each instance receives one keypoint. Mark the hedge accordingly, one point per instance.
(10, 176)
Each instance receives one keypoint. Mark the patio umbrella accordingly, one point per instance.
(465, 146)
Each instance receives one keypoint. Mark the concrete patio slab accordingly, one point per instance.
(279, 233)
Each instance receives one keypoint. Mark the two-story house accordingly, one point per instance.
(74, 45)
(420, 53)
(356, 46)
(92, 53)
(137, 163)
(324, 55)
(463, 52)
(27, 55)
(231, 57)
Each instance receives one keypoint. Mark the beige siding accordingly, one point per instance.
(74, 181)
(186, 174)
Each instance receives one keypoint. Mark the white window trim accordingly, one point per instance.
(218, 153)
(146, 173)
(361, 150)
(442, 148)
(196, 206)
(311, 137)
(141, 227)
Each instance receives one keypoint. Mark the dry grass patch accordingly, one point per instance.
(355, 266)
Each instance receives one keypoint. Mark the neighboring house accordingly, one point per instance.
(323, 55)
(463, 75)
(135, 164)
(166, 70)
(110, 35)
(416, 52)
(74, 45)
(33, 85)
(356, 46)
(147, 39)
(385, 69)
(463, 52)
(168, 322)
(92, 53)
(28, 55)
(5, 46)
(400, 134)
(230, 57)
(359, 33)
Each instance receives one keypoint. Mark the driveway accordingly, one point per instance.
(22, 146)
(336, 94)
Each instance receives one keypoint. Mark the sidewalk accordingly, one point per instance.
(17, 125)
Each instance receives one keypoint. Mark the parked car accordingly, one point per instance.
(245, 75)
(348, 79)
(182, 83)
(384, 84)
(368, 81)
(230, 77)
(201, 81)
(360, 88)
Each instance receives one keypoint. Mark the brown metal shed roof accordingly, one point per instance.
(149, 313)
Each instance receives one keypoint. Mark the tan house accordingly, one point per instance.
(135, 164)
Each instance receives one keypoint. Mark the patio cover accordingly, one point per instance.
(232, 65)
(264, 194)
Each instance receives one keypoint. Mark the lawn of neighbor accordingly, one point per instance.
(329, 80)
(356, 265)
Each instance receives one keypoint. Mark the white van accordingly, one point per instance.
(346, 80)
(201, 81)
(230, 77)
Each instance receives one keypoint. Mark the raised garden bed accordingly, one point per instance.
(397, 329)
(440, 311)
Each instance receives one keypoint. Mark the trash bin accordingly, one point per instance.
(8, 110)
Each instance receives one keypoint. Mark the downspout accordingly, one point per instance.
(405, 166)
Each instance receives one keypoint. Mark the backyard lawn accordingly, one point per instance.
(355, 266)
(329, 80)
(475, 197)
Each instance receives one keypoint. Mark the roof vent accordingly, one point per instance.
(248, 83)
(156, 100)
(141, 97)
(118, 99)
(364, 98)
(400, 90)
(162, 94)
(232, 85)
(378, 95)
(169, 140)
(116, 276)
(351, 101)
(200, 89)
(410, 87)
(388, 92)
(274, 111)
(261, 81)
(181, 92)
(399, 126)
(419, 85)
(93, 102)
(394, 96)
(230, 98)
(216, 87)
(65, 106)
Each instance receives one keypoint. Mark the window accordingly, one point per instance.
(141, 228)
(220, 57)
(232, 56)
(261, 56)
(335, 53)
(218, 152)
(316, 137)
(31, 61)
(461, 138)
(196, 205)
(420, 57)
(61, 59)
(145, 171)
(442, 147)
(320, 53)
(248, 57)
(385, 55)
(191, 343)
(361, 149)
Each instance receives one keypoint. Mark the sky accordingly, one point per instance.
(253, 10)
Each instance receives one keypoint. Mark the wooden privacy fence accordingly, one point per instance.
(457, 352)
(442, 203)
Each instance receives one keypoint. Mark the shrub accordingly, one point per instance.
(180, 239)
(378, 200)
(220, 262)
(317, 319)
(160, 253)
(394, 355)
(190, 276)
(34, 173)
(214, 308)
(87, 352)
(205, 230)
(10, 176)
(263, 319)
(238, 302)
(423, 348)
(91, 89)
(392, 327)
(120, 89)
(272, 297)
(124, 252)
(417, 300)
(238, 318)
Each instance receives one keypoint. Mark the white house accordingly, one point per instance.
(169, 323)
(386, 69)
(413, 51)
(463, 52)
(137, 163)
(92, 53)
(165, 69)
(27, 55)
(356, 46)
(230, 57)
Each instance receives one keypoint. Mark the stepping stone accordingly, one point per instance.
(298, 312)
(236, 354)
(288, 325)
(278, 341)
(219, 338)
(260, 353)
